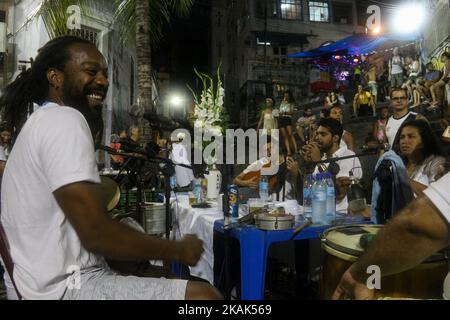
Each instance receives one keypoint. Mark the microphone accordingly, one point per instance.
(107, 149)
(376, 147)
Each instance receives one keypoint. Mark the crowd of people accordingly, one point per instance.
(54, 219)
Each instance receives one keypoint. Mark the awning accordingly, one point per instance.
(358, 44)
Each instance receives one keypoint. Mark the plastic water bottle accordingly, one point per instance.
(197, 190)
(307, 196)
(173, 182)
(319, 200)
(173, 185)
(331, 199)
(264, 188)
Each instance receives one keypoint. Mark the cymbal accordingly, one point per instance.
(109, 192)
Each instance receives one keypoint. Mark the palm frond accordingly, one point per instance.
(161, 12)
(55, 16)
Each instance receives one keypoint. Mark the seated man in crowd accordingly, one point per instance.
(248, 180)
(431, 77)
(325, 146)
(437, 88)
(363, 102)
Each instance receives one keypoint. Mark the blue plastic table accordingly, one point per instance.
(254, 247)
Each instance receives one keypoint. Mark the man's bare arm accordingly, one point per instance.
(409, 238)
(100, 234)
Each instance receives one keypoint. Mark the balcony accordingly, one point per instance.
(277, 69)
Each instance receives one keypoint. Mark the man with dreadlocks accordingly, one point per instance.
(52, 213)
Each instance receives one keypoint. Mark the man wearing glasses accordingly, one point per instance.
(401, 113)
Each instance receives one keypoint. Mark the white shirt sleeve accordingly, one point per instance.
(439, 193)
(2, 154)
(66, 148)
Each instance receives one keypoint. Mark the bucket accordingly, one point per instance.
(154, 217)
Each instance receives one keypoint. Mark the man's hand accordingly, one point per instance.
(349, 288)
(312, 152)
(252, 183)
(342, 185)
(191, 249)
(292, 166)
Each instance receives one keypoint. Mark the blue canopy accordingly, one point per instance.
(357, 44)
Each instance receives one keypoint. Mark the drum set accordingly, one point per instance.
(342, 245)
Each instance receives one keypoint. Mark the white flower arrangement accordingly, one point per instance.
(209, 113)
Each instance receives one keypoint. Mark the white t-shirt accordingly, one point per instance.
(179, 155)
(439, 193)
(55, 148)
(393, 125)
(396, 65)
(345, 166)
(2, 153)
(343, 144)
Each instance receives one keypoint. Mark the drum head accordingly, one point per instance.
(344, 241)
(109, 192)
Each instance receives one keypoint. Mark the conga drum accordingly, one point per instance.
(341, 246)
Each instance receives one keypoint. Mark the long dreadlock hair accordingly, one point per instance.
(32, 85)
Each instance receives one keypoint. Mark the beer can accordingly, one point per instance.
(233, 199)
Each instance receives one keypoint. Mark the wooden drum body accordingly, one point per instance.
(340, 248)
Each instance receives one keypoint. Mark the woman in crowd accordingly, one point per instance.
(421, 153)
(331, 99)
(306, 125)
(267, 119)
(287, 109)
(379, 126)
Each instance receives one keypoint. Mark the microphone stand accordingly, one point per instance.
(335, 159)
(226, 233)
(167, 172)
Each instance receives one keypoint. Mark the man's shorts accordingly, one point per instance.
(396, 80)
(373, 86)
(364, 110)
(102, 284)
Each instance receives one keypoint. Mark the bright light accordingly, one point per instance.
(376, 30)
(409, 18)
(176, 100)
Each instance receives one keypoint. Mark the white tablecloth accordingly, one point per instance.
(201, 223)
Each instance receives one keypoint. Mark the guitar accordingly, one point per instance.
(272, 180)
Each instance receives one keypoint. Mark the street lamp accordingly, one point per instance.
(176, 101)
(409, 18)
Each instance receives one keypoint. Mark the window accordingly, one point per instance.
(343, 13)
(318, 11)
(291, 9)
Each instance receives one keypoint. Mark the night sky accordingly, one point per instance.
(186, 44)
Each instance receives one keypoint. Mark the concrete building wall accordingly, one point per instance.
(437, 33)
(246, 60)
